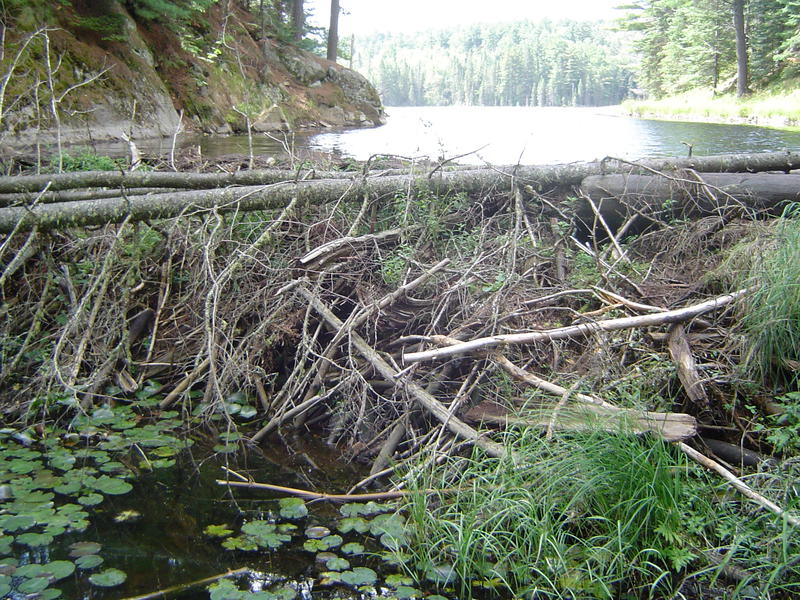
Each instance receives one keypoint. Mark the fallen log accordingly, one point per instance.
(671, 427)
(453, 347)
(271, 195)
(691, 195)
(571, 174)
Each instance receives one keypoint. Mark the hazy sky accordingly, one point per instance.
(368, 16)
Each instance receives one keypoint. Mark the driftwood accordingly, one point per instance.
(453, 347)
(670, 427)
(681, 354)
(592, 412)
(269, 194)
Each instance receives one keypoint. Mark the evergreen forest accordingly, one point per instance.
(655, 48)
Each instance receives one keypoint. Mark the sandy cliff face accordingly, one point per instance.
(97, 73)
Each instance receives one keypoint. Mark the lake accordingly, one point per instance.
(506, 135)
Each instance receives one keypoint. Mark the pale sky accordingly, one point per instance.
(370, 16)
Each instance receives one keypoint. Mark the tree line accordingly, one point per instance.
(719, 44)
(547, 63)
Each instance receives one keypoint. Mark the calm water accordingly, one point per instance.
(505, 135)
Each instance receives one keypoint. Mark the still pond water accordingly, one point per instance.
(506, 135)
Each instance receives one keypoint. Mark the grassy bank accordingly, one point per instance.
(779, 109)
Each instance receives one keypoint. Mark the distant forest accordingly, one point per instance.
(546, 63)
(657, 47)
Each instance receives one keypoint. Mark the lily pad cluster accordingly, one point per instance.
(49, 482)
(374, 524)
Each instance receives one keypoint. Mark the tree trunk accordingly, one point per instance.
(333, 32)
(617, 196)
(277, 195)
(298, 20)
(741, 48)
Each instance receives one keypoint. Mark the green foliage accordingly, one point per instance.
(772, 317)
(169, 10)
(566, 63)
(686, 44)
(111, 27)
(86, 160)
(784, 430)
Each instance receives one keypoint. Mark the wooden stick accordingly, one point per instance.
(737, 483)
(681, 354)
(183, 385)
(583, 329)
(315, 495)
(426, 400)
(185, 586)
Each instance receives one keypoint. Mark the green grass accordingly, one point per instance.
(769, 263)
(587, 517)
(771, 109)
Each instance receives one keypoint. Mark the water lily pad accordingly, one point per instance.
(292, 508)
(353, 548)
(108, 578)
(13, 523)
(359, 576)
(59, 569)
(49, 594)
(326, 543)
(163, 463)
(35, 539)
(405, 592)
(90, 499)
(30, 570)
(265, 534)
(441, 574)
(242, 542)
(5, 544)
(397, 579)
(217, 531)
(317, 532)
(226, 448)
(33, 586)
(68, 488)
(63, 461)
(356, 509)
(112, 486)
(5, 589)
(337, 564)
(89, 561)
(356, 524)
(398, 558)
(392, 524)
(21, 466)
(83, 548)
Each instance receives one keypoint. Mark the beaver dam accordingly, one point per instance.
(572, 381)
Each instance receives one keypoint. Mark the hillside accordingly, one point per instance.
(90, 70)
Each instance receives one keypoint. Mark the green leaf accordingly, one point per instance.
(242, 542)
(59, 569)
(337, 564)
(356, 524)
(89, 561)
(405, 592)
(111, 486)
(397, 579)
(217, 531)
(353, 548)
(359, 576)
(90, 499)
(355, 509)
(292, 508)
(34, 539)
(83, 548)
(108, 578)
(33, 586)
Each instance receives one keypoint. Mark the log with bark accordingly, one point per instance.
(269, 194)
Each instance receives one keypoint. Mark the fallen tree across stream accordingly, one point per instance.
(275, 189)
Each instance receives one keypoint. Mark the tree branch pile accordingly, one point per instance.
(394, 314)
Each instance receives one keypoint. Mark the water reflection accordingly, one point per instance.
(505, 135)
